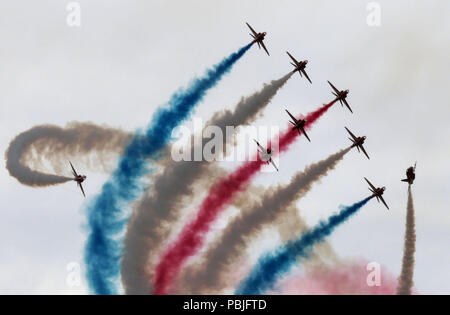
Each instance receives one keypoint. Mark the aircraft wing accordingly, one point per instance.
(362, 148)
(264, 46)
(260, 146)
(293, 59)
(273, 163)
(82, 190)
(304, 132)
(293, 118)
(333, 87)
(384, 202)
(304, 72)
(73, 170)
(348, 106)
(351, 134)
(370, 184)
(253, 31)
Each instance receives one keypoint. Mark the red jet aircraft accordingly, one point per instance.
(78, 178)
(410, 174)
(258, 38)
(357, 142)
(341, 96)
(299, 66)
(266, 154)
(298, 124)
(377, 192)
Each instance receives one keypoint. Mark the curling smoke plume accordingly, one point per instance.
(221, 193)
(345, 278)
(272, 266)
(406, 277)
(149, 225)
(108, 213)
(55, 145)
(245, 227)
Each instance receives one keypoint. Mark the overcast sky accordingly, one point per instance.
(129, 56)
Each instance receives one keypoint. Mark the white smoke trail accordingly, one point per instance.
(406, 276)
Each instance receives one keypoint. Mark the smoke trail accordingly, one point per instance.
(57, 145)
(107, 213)
(220, 194)
(148, 226)
(272, 266)
(288, 226)
(292, 225)
(349, 277)
(245, 227)
(407, 273)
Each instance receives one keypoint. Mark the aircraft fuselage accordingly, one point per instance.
(266, 156)
(80, 178)
(300, 66)
(259, 37)
(342, 95)
(300, 124)
(410, 176)
(378, 192)
(359, 141)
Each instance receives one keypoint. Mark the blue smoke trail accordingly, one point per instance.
(271, 266)
(107, 213)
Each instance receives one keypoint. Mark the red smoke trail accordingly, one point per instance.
(342, 279)
(220, 194)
